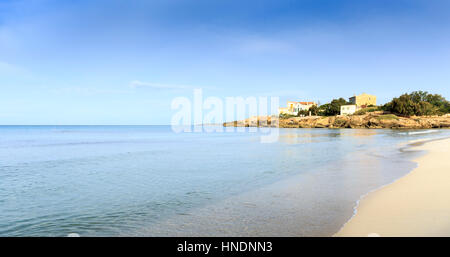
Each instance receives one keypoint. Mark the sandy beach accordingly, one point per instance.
(417, 204)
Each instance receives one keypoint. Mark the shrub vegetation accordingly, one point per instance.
(418, 103)
(332, 108)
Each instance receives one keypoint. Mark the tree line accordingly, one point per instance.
(417, 103)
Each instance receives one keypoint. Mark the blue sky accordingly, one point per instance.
(122, 62)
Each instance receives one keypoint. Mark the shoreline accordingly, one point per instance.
(372, 120)
(410, 205)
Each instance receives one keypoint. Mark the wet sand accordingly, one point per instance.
(417, 204)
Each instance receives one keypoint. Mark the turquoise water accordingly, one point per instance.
(148, 180)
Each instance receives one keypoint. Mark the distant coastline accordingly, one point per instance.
(417, 110)
(372, 120)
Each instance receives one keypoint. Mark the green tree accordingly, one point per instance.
(314, 110)
(418, 103)
(303, 112)
(332, 108)
(323, 109)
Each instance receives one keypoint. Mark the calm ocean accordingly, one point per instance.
(150, 181)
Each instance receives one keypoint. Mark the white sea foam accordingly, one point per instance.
(419, 132)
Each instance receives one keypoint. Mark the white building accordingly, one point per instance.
(348, 109)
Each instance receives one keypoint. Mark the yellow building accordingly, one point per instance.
(294, 107)
(282, 110)
(358, 102)
(363, 100)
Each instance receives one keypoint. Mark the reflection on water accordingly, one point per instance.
(296, 136)
(147, 180)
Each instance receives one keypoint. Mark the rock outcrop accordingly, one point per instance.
(370, 120)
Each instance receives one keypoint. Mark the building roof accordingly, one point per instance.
(362, 95)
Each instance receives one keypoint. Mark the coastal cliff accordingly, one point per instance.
(370, 120)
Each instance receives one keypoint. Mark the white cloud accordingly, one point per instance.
(140, 84)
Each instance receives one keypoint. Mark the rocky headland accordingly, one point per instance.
(373, 120)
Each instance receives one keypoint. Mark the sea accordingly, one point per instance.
(153, 181)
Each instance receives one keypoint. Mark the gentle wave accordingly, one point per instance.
(419, 132)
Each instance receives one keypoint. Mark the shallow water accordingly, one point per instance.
(148, 180)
